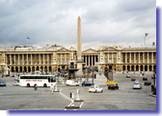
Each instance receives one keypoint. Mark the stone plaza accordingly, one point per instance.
(15, 97)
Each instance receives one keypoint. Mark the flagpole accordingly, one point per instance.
(28, 41)
(146, 34)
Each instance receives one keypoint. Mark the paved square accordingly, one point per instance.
(16, 97)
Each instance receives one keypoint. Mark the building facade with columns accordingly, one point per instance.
(54, 58)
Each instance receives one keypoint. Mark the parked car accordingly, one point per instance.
(147, 83)
(95, 89)
(137, 85)
(127, 76)
(2, 83)
(133, 79)
(86, 83)
(72, 83)
(144, 78)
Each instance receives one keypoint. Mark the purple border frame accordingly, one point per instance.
(113, 111)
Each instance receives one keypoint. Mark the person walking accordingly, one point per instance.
(52, 88)
(35, 87)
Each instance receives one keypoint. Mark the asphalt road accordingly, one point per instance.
(16, 97)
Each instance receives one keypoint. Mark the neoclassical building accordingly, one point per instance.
(55, 57)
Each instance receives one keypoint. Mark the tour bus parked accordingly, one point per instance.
(39, 80)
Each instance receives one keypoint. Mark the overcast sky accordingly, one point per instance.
(104, 22)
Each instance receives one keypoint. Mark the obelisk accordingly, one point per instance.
(79, 47)
(79, 39)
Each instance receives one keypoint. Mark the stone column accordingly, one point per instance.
(152, 67)
(27, 58)
(84, 59)
(147, 57)
(61, 58)
(43, 60)
(134, 60)
(18, 59)
(134, 67)
(139, 57)
(65, 61)
(48, 59)
(23, 59)
(125, 57)
(139, 67)
(112, 58)
(13, 59)
(108, 57)
(130, 57)
(152, 57)
(38, 60)
(87, 60)
(90, 60)
(31, 57)
(10, 59)
(143, 57)
(148, 68)
(143, 67)
(95, 60)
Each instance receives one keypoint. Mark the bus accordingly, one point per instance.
(39, 80)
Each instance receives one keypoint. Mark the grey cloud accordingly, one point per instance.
(54, 21)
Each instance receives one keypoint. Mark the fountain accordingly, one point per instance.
(72, 71)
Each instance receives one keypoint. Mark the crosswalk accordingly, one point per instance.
(71, 101)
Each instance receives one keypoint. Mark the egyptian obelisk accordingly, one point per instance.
(79, 39)
(79, 47)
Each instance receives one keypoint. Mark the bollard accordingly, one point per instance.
(55, 88)
(72, 100)
(78, 97)
(72, 105)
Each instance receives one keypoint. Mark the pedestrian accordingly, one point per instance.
(70, 95)
(35, 87)
(52, 88)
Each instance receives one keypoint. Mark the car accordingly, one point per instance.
(112, 85)
(127, 76)
(86, 83)
(2, 83)
(144, 78)
(133, 79)
(72, 83)
(95, 89)
(16, 82)
(137, 85)
(147, 83)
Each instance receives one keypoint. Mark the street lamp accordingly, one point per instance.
(153, 87)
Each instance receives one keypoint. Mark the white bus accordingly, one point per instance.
(39, 80)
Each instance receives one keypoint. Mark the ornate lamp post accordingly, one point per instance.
(153, 87)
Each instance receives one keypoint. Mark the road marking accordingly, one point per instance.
(63, 95)
(81, 104)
